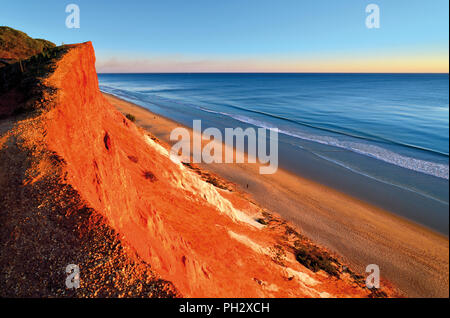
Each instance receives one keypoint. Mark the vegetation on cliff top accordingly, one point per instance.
(48, 217)
(16, 45)
(24, 63)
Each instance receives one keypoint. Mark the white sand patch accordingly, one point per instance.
(160, 149)
(249, 243)
(305, 281)
(192, 182)
(303, 277)
(326, 295)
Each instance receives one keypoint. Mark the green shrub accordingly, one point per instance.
(314, 259)
(131, 117)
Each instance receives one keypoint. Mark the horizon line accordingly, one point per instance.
(438, 73)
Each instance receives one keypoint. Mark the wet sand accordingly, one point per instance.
(412, 257)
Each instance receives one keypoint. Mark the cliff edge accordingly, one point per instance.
(81, 184)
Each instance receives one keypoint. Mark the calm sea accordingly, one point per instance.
(392, 128)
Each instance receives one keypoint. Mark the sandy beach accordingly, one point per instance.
(413, 258)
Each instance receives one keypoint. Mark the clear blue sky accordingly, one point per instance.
(219, 35)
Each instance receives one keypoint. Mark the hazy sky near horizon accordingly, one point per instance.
(246, 35)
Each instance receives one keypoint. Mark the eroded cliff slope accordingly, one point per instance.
(82, 184)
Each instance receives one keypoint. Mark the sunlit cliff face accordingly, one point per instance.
(208, 241)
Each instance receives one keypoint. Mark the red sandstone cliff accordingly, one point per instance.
(72, 152)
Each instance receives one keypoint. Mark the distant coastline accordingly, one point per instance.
(358, 172)
(358, 231)
(350, 73)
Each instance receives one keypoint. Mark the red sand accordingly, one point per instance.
(201, 238)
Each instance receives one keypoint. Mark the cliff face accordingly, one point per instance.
(203, 239)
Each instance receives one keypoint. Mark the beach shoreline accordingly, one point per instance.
(412, 257)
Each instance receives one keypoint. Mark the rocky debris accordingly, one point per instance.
(82, 185)
(47, 226)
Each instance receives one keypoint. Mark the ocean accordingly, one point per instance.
(380, 130)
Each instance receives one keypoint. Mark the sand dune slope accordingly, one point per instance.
(207, 240)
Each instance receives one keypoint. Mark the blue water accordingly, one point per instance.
(368, 130)
(402, 119)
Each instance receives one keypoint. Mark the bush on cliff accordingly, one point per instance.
(315, 260)
(131, 117)
(16, 45)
